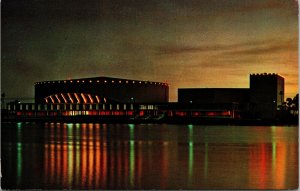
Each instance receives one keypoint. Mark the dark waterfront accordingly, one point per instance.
(150, 156)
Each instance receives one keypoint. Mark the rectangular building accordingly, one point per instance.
(266, 94)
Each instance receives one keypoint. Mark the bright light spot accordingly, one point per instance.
(70, 125)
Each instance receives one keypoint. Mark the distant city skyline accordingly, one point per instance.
(185, 43)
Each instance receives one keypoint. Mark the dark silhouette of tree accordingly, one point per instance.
(289, 103)
(2, 100)
(296, 104)
(293, 105)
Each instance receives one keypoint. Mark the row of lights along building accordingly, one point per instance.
(115, 97)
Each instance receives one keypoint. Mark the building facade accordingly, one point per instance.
(262, 100)
(213, 95)
(101, 90)
(104, 97)
(266, 94)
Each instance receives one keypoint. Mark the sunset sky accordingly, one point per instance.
(186, 43)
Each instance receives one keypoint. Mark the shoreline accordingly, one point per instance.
(120, 120)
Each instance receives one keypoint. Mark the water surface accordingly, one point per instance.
(149, 156)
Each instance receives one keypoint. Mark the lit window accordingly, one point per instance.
(65, 100)
(57, 98)
(52, 100)
(91, 99)
(77, 98)
(70, 98)
(98, 100)
(84, 98)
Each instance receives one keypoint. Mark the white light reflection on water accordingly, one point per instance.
(131, 155)
(19, 153)
(191, 156)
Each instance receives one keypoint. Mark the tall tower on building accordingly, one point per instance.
(266, 94)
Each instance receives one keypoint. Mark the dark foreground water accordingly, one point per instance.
(100, 156)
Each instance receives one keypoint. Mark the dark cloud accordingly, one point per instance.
(270, 48)
(78, 10)
(256, 47)
(267, 5)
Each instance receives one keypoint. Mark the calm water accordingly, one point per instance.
(100, 156)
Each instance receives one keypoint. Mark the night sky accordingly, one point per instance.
(186, 43)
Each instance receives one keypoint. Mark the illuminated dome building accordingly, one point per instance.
(100, 90)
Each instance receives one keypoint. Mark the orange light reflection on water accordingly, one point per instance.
(267, 162)
(87, 157)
